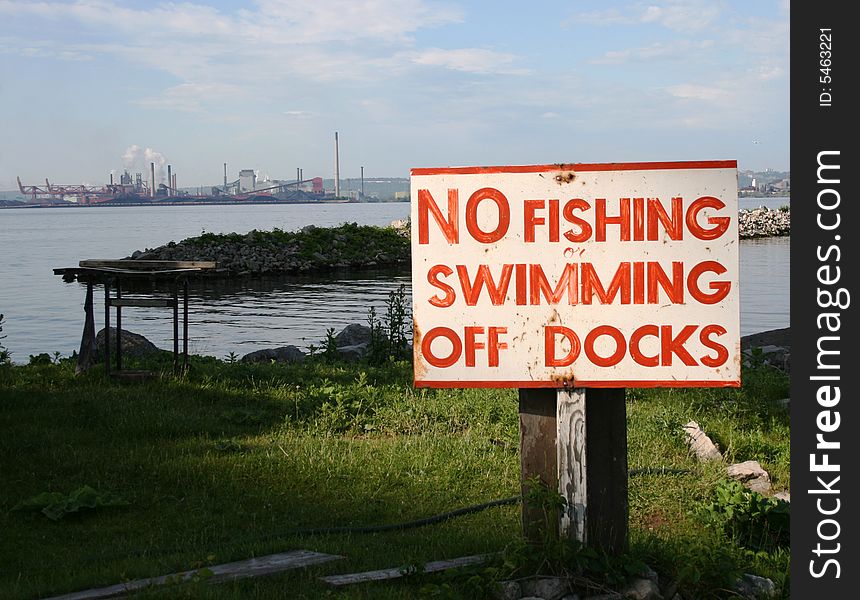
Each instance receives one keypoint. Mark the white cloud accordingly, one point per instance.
(678, 15)
(470, 60)
(691, 91)
(676, 50)
(191, 97)
(683, 15)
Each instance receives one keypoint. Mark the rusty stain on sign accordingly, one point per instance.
(565, 177)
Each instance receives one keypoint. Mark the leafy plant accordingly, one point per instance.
(751, 520)
(389, 337)
(41, 359)
(56, 505)
(5, 355)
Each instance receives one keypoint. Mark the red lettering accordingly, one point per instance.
(638, 219)
(620, 346)
(433, 279)
(583, 225)
(566, 283)
(673, 226)
(504, 219)
(721, 288)
(675, 345)
(550, 332)
(720, 224)
(496, 345)
(472, 291)
(601, 220)
(722, 352)
(674, 289)
(530, 221)
(591, 284)
(451, 336)
(635, 351)
(449, 226)
(472, 345)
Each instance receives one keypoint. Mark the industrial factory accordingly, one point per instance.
(146, 188)
(140, 189)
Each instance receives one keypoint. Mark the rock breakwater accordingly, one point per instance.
(764, 222)
(311, 249)
(353, 246)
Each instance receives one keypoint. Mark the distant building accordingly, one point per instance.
(247, 181)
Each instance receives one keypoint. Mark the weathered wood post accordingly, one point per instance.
(575, 441)
(538, 457)
(88, 338)
(592, 466)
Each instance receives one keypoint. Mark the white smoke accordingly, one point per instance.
(137, 160)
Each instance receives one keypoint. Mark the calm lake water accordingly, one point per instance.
(43, 314)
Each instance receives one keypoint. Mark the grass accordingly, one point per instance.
(231, 460)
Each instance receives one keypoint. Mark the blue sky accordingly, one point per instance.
(89, 86)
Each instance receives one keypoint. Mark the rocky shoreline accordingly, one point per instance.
(352, 246)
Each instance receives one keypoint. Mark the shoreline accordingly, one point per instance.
(351, 246)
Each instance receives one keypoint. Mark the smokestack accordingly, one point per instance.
(174, 184)
(362, 182)
(169, 182)
(298, 177)
(111, 178)
(225, 178)
(336, 168)
(152, 180)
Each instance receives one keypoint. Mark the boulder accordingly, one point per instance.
(753, 587)
(134, 345)
(508, 590)
(284, 354)
(548, 588)
(352, 353)
(700, 444)
(751, 474)
(642, 589)
(353, 335)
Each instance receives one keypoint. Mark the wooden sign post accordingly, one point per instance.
(590, 472)
(573, 282)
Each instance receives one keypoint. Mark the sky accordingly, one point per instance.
(90, 87)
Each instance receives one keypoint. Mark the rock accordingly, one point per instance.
(649, 573)
(133, 345)
(751, 475)
(352, 353)
(784, 496)
(353, 335)
(642, 589)
(284, 354)
(700, 444)
(509, 590)
(753, 587)
(548, 588)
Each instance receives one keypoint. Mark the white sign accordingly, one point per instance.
(583, 275)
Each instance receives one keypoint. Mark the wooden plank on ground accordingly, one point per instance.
(253, 567)
(156, 265)
(383, 574)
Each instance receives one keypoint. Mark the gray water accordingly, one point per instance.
(43, 314)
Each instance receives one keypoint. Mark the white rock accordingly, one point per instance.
(753, 587)
(642, 589)
(700, 444)
(752, 475)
